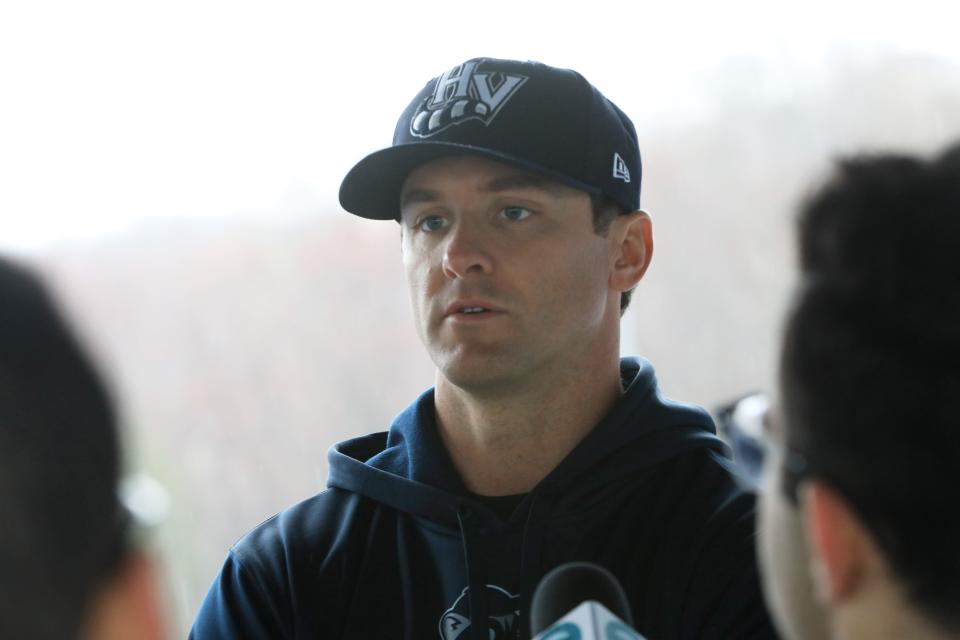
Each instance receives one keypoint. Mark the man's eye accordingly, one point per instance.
(432, 223)
(515, 213)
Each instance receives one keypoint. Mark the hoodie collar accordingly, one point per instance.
(409, 468)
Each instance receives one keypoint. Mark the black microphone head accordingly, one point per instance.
(570, 585)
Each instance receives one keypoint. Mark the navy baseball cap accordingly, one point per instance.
(547, 121)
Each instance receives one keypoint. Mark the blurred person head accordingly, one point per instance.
(68, 567)
(861, 508)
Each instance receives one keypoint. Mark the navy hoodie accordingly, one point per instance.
(397, 548)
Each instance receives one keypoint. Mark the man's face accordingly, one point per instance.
(785, 559)
(506, 274)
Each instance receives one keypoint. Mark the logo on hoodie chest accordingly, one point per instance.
(503, 615)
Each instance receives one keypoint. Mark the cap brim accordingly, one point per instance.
(372, 187)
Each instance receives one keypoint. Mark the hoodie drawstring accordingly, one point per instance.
(406, 578)
(530, 547)
(479, 618)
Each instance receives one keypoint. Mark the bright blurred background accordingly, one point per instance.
(173, 167)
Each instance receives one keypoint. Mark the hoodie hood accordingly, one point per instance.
(408, 467)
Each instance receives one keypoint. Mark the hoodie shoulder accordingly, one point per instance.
(317, 522)
(271, 575)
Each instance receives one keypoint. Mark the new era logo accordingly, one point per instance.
(620, 171)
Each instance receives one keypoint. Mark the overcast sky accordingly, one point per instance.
(116, 113)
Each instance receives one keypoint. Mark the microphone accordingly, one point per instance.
(581, 600)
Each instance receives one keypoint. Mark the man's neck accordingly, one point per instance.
(504, 444)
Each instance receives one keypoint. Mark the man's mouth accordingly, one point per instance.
(470, 308)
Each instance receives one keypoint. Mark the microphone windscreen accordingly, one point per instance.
(571, 584)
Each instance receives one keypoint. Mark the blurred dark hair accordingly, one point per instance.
(61, 524)
(870, 373)
(604, 211)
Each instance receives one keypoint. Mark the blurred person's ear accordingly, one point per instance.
(844, 551)
(129, 605)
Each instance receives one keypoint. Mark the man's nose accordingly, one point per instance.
(466, 252)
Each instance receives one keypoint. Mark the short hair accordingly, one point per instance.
(870, 369)
(605, 209)
(62, 529)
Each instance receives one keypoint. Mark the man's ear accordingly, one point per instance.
(844, 552)
(631, 240)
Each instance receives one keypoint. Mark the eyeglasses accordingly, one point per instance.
(746, 424)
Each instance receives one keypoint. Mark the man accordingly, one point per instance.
(516, 186)
(69, 568)
(862, 484)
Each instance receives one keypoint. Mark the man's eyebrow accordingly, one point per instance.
(414, 196)
(496, 185)
(523, 181)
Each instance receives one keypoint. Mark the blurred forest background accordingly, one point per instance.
(242, 348)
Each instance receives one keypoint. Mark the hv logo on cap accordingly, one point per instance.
(465, 93)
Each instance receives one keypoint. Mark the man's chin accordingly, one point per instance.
(476, 372)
